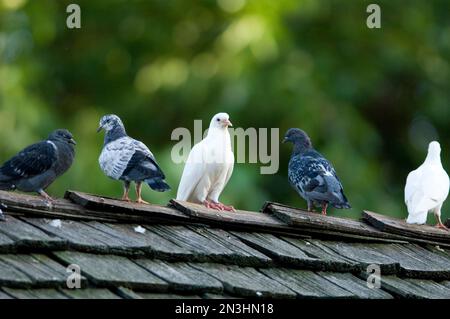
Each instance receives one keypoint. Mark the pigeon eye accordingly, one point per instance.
(218, 120)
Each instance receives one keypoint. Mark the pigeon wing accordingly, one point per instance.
(316, 178)
(425, 190)
(142, 166)
(194, 169)
(34, 160)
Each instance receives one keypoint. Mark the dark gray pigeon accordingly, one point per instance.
(38, 165)
(312, 176)
(126, 159)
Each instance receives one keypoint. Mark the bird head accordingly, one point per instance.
(220, 120)
(434, 148)
(62, 135)
(109, 122)
(297, 136)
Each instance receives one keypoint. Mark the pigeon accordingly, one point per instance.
(209, 166)
(312, 175)
(427, 188)
(38, 165)
(126, 159)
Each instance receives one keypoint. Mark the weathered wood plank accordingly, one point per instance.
(81, 237)
(148, 243)
(417, 262)
(90, 293)
(414, 288)
(215, 296)
(307, 284)
(246, 282)
(331, 260)
(245, 255)
(203, 249)
(43, 271)
(365, 255)
(334, 226)
(280, 250)
(238, 220)
(29, 205)
(400, 227)
(113, 271)
(181, 277)
(126, 293)
(7, 245)
(12, 277)
(4, 295)
(355, 285)
(35, 293)
(146, 295)
(409, 260)
(25, 235)
(125, 210)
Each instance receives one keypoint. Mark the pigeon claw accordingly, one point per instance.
(218, 206)
(126, 199)
(226, 207)
(141, 201)
(441, 226)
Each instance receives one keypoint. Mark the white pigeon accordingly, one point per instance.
(427, 188)
(209, 166)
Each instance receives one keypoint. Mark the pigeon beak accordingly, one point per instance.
(227, 123)
(99, 129)
(72, 141)
(285, 140)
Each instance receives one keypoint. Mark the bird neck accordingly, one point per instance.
(300, 148)
(66, 155)
(115, 133)
(433, 158)
(219, 134)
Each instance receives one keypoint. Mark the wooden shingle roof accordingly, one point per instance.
(188, 251)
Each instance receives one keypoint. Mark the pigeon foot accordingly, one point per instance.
(441, 226)
(141, 201)
(46, 196)
(212, 205)
(126, 199)
(324, 209)
(226, 207)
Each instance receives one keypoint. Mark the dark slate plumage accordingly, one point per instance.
(38, 165)
(124, 158)
(312, 176)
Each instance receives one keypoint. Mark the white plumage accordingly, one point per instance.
(427, 188)
(209, 166)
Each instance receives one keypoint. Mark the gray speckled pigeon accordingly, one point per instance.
(312, 176)
(124, 158)
(38, 165)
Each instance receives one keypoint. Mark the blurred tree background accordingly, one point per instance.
(371, 99)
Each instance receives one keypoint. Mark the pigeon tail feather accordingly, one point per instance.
(158, 184)
(419, 218)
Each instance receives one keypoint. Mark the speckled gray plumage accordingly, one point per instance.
(124, 158)
(312, 175)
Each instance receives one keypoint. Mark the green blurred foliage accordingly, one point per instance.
(371, 99)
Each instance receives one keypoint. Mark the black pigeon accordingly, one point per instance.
(38, 165)
(124, 158)
(312, 176)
